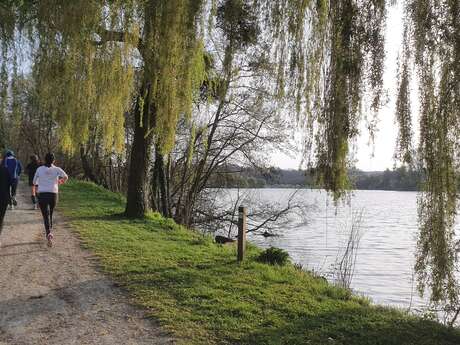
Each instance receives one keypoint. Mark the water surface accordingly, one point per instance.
(385, 260)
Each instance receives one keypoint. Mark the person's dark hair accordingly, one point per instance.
(49, 159)
(34, 159)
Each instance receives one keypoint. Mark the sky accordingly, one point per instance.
(378, 156)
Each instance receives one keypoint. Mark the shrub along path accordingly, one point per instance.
(198, 292)
(56, 296)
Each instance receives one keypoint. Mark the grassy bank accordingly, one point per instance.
(197, 291)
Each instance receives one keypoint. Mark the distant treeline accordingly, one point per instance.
(401, 179)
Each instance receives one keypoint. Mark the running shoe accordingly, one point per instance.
(50, 239)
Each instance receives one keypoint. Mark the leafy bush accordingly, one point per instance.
(274, 256)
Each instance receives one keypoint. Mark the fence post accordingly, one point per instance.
(242, 226)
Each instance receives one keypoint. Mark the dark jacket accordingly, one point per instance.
(13, 165)
(5, 183)
(31, 169)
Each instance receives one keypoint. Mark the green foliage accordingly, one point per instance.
(239, 23)
(403, 110)
(86, 52)
(197, 291)
(431, 44)
(330, 58)
(356, 63)
(81, 82)
(84, 56)
(174, 63)
(402, 179)
(274, 256)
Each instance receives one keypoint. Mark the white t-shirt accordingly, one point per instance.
(47, 179)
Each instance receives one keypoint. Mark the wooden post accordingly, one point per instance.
(242, 226)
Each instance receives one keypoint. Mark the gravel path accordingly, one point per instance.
(56, 295)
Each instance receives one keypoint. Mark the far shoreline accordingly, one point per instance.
(315, 188)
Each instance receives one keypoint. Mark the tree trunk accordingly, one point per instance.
(137, 198)
(87, 170)
(160, 197)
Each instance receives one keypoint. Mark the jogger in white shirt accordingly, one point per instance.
(48, 178)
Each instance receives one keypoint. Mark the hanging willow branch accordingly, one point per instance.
(330, 57)
(432, 43)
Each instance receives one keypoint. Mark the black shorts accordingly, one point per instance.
(48, 198)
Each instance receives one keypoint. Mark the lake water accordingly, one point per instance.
(385, 260)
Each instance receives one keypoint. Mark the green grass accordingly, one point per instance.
(197, 291)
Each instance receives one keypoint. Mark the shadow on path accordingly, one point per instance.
(56, 296)
(22, 244)
(26, 252)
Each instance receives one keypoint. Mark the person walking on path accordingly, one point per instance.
(14, 167)
(31, 169)
(48, 177)
(5, 190)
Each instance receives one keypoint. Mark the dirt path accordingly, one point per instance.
(56, 296)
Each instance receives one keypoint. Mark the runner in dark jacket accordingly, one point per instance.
(31, 168)
(14, 167)
(5, 187)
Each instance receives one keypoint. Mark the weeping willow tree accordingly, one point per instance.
(76, 81)
(174, 69)
(90, 57)
(432, 46)
(330, 57)
(84, 53)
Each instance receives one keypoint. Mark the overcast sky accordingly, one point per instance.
(380, 155)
